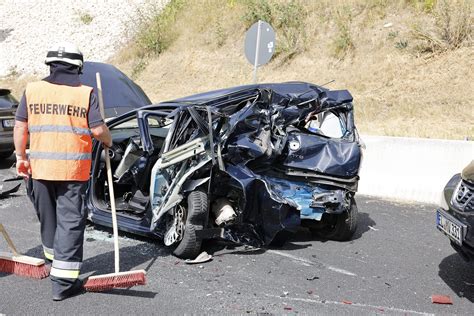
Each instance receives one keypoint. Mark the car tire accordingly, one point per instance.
(340, 227)
(197, 217)
(6, 154)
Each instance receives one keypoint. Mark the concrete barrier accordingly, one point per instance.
(411, 169)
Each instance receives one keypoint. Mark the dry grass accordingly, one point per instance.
(452, 28)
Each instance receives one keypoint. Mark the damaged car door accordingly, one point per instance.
(149, 172)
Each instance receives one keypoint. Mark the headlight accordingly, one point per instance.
(442, 201)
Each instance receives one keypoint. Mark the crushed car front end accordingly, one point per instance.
(246, 164)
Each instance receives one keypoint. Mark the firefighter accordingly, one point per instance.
(61, 116)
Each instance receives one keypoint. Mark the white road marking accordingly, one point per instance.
(380, 308)
(341, 271)
(307, 262)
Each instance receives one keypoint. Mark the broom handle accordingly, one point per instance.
(9, 241)
(110, 181)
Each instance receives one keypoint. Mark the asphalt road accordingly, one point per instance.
(396, 261)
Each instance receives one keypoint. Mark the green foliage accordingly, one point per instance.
(258, 10)
(428, 5)
(343, 42)
(288, 18)
(452, 29)
(401, 44)
(392, 35)
(86, 18)
(156, 29)
(424, 5)
(138, 67)
(220, 34)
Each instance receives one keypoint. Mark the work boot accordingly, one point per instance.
(76, 289)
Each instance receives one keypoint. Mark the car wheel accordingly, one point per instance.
(6, 154)
(339, 227)
(197, 216)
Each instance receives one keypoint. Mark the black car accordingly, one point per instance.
(455, 217)
(8, 105)
(247, 164)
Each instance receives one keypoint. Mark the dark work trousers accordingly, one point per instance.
(60, 209)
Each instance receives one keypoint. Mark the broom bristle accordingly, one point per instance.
(115, 280)
(23, 269)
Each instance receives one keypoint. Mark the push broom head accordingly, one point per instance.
(23, 266)
(110, 281)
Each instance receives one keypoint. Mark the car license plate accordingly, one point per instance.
(8, 123)
(453, 230)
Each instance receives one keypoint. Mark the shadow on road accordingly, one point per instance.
(302, 238)
(130, 292)
(7, 163)
(458, 275)
(363, 225)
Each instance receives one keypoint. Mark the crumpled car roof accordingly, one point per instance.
(291, 90)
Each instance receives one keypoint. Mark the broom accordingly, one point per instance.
(118, 279)
(19, 264)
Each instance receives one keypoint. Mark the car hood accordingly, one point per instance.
(120, 93)
(468, 172)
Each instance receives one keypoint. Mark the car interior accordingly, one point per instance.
(131, 166)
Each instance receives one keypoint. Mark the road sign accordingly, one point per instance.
(259, 45)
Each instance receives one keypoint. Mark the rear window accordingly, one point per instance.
(6, 99)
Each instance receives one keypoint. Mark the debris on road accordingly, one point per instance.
(347, 302)
(441, 299)
(203, 257)
(8, 188)
(312, 278)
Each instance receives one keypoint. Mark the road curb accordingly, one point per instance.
(411, 169)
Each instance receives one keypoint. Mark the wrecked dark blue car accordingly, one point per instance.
(247, 164)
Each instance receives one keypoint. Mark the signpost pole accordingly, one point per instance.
(257, 47)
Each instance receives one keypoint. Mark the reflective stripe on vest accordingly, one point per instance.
(59, 129)
(59, 156)
(60, 139)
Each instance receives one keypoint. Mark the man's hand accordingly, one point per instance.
(102, 134)
(23, 168)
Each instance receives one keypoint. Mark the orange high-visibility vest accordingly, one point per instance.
(60, 139)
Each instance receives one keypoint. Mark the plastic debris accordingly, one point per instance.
(203, 257)
(441, 299)
(347, 302)
(312, 278)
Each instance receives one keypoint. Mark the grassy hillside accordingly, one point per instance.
(408, 63)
